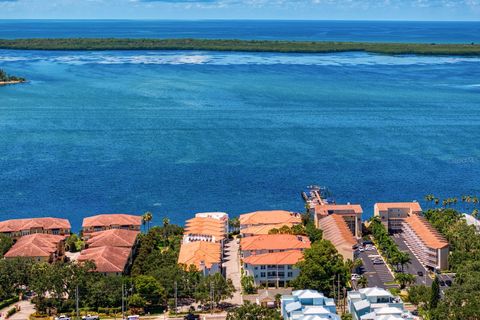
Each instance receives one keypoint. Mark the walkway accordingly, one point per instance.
(26, 309)
(232, 270)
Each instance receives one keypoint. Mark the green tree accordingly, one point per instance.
(346, 316)
(435, 293)
(419, 295)
(404, 279)
(248, 284)
(136, 301)
(146, 219)
(149, 289)
(313, 233)
(250, 311)
(215, 286)
(321, 265)
(5, 243)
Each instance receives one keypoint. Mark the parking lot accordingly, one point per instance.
(377, 274)
(415, 267)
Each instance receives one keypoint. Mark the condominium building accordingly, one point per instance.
(429, 246)
(308, 305)
(205, 229)
(109, 260)
(111, 250)
(38, 246)
(277, 217)
(351, 213)
(205, 256)
(271, 243)
(273, 269)
(376, 304)
(103, 222)
(336, 230)
(392, 214)
(17, 228)
(263, 229)
(472, 221)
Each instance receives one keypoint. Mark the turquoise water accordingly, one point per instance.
(181, 132)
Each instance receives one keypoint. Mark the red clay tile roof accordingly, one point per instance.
(17, 225)
(274, 242)
(106, 220)
(324, 209)
(424, 230)
(205, 226)
(113, 238)
(264, 229)
(336, 230)
(200, 251)
(35, 245)
(289, 257)
(107, 259)
(384, 206)
(269, 217)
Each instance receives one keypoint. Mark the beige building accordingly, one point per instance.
(103, 222)
(276, 217)
(429, 246)
(336, 230)
(351, 214)
(392, 214)
(38, 246)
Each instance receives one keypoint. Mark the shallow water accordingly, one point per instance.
(182, 132)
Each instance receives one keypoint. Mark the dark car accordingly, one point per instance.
(191, 316)
(420, 273)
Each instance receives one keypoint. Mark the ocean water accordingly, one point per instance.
(183, 132)
(376, 31)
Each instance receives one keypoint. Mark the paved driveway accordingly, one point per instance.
(415, 266)
(26, 309)
(232, 270)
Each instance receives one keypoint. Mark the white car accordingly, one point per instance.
(62, 317)
(355, 276)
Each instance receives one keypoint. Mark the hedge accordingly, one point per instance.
(7, 302)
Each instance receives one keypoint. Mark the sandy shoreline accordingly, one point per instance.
(4, 83)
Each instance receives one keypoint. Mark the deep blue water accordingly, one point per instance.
(377, 31)
(182, 132)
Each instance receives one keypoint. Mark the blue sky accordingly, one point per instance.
(242, 9)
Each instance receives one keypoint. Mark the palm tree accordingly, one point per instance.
(362, 282)
(404, 279)
(165, 222)
(147, 218)
(475, 213)
(403, 259)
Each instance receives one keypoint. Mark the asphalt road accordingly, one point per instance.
(415, 266)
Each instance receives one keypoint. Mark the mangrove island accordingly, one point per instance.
(8, 79)
(471, 49)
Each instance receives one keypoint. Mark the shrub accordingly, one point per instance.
(11, 312)
(7, 302)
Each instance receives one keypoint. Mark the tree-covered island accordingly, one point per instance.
(470, 49)
(9, 79)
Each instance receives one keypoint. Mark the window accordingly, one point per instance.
(281, 274)
(289, 267)
(256, 268)
(262, 274)
(262, 267)
(290, 274)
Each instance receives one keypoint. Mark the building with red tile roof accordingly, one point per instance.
(269, 217)
(336, 230)
(392, 214)
(16, 228)
(428, 245)
(39, 246)
(205, 229)
(262, 229)
(113, 237)
(206, 256)
(270, 243)
(111, 221)
(108, 260)
(351, 213)
(273, 269)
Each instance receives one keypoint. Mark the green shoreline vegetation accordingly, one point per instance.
(240, 46)
(8, 79)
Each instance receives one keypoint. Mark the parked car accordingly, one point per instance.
(191, 316)
(361, 249)
(62, 317)
(420, 273)
(355, 276)
(377, 261)
(135, 317)
(90, 317)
